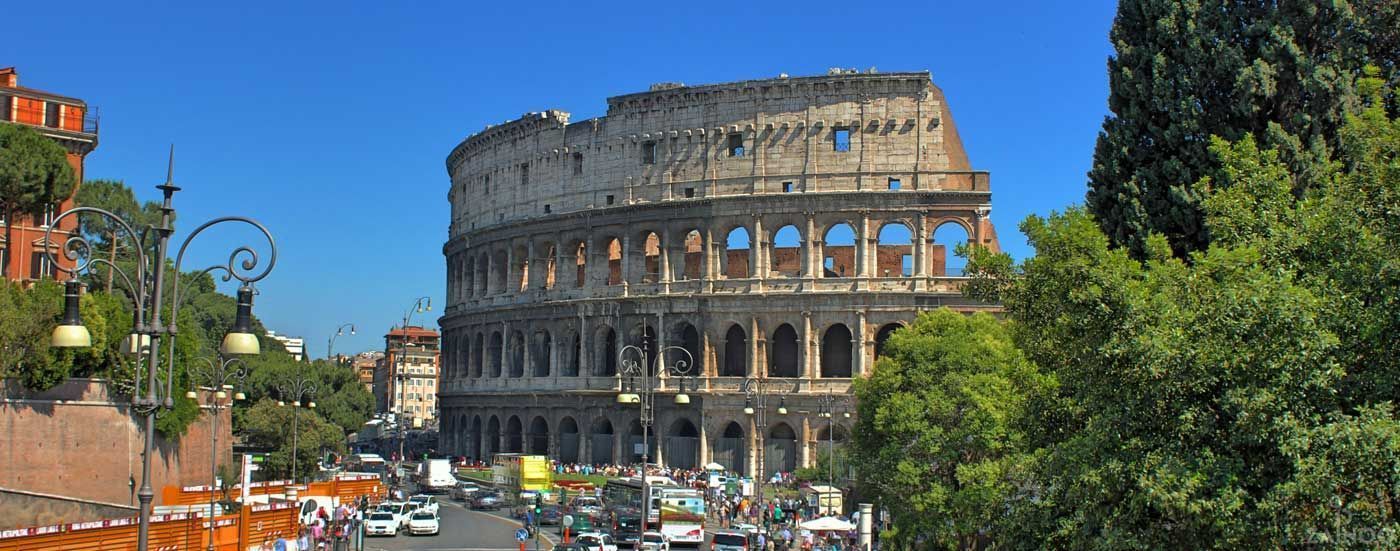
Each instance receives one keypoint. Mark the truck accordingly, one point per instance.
(435, 476)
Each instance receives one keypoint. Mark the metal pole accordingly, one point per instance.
(295, 406)
(146, 494)
(213, 469)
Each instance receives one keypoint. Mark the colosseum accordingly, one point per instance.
(774, 230)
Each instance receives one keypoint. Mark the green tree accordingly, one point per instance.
(1186, 71)
(939, 439)
(115, 197)
(34, 173)
(1241, 399)
(267, 425)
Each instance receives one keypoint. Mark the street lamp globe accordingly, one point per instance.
(241, 340)
(71, 333)
(682, 399)
(191, 394)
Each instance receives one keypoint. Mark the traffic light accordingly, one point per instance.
(539, 504)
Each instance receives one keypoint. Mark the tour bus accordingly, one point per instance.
(518, 473)
(676, 511)
(366, 463)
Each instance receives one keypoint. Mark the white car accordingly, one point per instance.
(400, 511)
(596, 541)
(381, 523)
(421, 502)
(654, 541)
(423, 522)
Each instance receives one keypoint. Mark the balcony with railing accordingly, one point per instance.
(55, 119)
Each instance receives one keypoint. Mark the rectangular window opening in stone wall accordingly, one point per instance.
(610, 199)
(787, 187)
(525, 174)
(546, 209)
(736, 145)
(894, 184)
(690, 193)
(841, 138)
(649, 153)
(578, 163)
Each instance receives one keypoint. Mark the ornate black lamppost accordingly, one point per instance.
(635, 371)
(294, 392)
(756, 405)
(149, 328)
(216, 377)
(339, 331)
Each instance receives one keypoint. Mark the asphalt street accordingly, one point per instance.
(462, 530)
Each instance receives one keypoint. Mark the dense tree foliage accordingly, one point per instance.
(937, 438)
(269, 426)
(1186, 71)
(1243, 397)
(34, 174)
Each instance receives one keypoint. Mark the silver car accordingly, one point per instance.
(730, 540)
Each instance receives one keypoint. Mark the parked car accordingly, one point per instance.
(423, 522)
(463, 491)
(381, 523)
(424, 503)
(400, 511)
(628, 529)
(586, 505)
(487, 501)
(654, 541)
(571, 546)
(730, 540)
(551, 515)
(596, 541)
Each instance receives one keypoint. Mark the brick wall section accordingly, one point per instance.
(75, 441)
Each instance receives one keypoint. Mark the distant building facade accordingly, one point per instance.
(364, 365)
(296, 346)
(406, 378)
(66, 121)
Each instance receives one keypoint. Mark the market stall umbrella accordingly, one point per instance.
(827, 524)
(714, 467)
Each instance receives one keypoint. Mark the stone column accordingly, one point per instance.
(583, 356)
(626, 261)
(920, 247)
(807, 457)
(809, 356)
(755, 254)
(528, 267)
(664, 262)
(755, 353)
(529, 345)
(858, 346)
(863, 255)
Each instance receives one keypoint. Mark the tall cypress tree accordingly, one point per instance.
(1186, 70)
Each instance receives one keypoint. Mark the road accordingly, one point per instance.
(462, 530)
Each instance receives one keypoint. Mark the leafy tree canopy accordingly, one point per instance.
(34, 173)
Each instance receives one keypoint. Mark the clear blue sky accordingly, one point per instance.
(329, 121)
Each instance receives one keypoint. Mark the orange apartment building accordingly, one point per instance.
(67, 121)
(406, 380)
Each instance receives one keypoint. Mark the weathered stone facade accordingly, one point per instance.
(569, 241)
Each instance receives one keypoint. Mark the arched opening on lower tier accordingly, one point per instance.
(785, 353)
(836, 352)
(736, 352)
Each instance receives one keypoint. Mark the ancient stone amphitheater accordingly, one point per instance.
(775, 229)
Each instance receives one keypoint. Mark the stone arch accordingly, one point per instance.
(494, 351)
(737, 244)
(549, 266)
(780, 452)
(601, 438)
(515, 435)
(613, 248)
(693, 263)
(605, 359)
(580, 250)
(568, 440)
(683, 444)
(736, 352)
(477, 354)
(839, 251)
(686, 336)
(540, 357)
(500, 264)
(837, 357)
(634, 443)
(785, 252)
(942, 252)
(785, 351)
(537, 438)
(521, 279)
(651, 257)
(894, 250)
(644, 336)
(731, 448)
(883, 335)
(482, 275)
(517, 354)
(493, 437)
(474, 438)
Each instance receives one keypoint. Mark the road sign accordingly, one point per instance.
(568, 520)
(522, 534)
